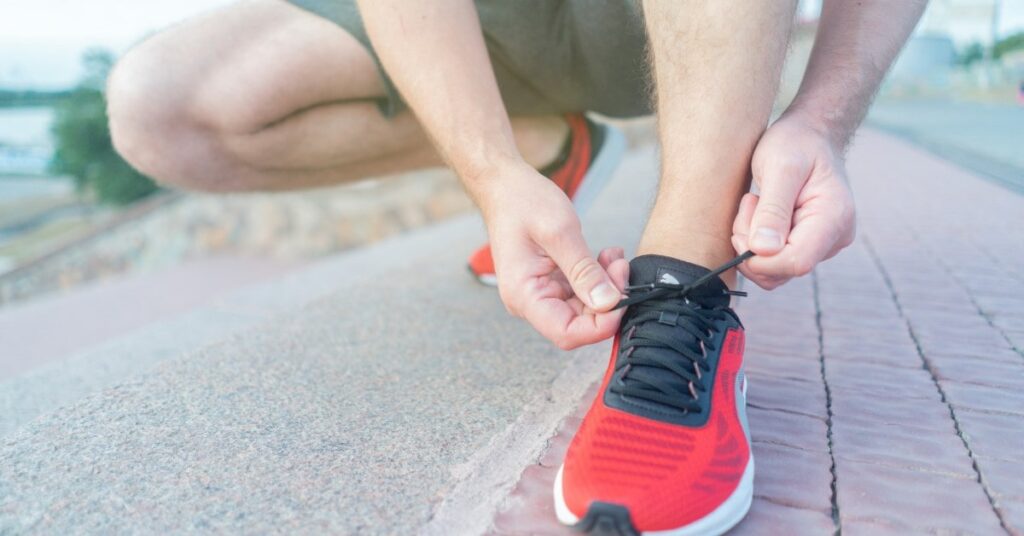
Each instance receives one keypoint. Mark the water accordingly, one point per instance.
(26, 127)
(18, 188)
(25, 141)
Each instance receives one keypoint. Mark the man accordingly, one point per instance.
(269, 95)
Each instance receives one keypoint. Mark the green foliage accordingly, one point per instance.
(84, 149)
(973, 53)
(1011, 43)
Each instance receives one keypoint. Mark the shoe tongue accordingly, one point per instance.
(647, 269)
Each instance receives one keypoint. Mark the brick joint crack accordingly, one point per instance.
(927, 365)
(828, 405)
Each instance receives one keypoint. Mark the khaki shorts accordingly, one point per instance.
(549, 56)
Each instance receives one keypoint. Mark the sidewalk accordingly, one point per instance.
(397, 397)
(887, 389)
(984, 137)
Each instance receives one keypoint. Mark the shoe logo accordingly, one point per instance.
(668, 278)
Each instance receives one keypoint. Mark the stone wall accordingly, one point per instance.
(293, 225)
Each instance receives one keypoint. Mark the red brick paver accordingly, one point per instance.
(885, 389)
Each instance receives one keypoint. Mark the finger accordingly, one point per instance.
(741, 224)
(614, 262)
(570, 327)
(619, 272)
(767, 282)
(739, 242)
(810, 242)
(593, 327)
(609, 255)
(606, 258)
(589, 280)
(773, 215)
(763, 281)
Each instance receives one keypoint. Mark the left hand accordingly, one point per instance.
(804, 213)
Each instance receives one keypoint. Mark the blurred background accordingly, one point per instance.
(74, 216)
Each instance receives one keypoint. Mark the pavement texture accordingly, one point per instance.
(885, 388)
(387, 393)
(96, 313)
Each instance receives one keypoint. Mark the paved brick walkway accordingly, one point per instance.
(887, 389)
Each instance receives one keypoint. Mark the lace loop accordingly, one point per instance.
(661, 289)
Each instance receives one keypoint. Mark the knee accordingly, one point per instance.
(151, 128)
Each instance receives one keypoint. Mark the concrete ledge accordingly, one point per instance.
(63, 382)
(355, 396)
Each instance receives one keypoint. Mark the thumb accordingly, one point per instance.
(773, 214)
(589, 280)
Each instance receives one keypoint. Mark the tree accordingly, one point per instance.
(1009, 44)
(973, 53)
(84, 150)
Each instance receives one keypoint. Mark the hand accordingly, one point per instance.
(546, 273)
(804, 213)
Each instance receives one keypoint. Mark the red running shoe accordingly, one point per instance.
(589, 158)
(664, 449)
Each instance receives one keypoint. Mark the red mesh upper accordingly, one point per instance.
(667, 475)
(481, 261)
(570, 175)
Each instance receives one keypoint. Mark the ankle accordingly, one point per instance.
(700, 248)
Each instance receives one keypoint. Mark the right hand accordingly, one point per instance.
(546, 273)
(804, 213)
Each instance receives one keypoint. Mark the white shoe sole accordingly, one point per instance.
(720, 520)
(598, 174)
(490, 280)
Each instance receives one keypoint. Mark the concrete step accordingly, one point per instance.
(352, 396)
(52, 327)
(61, 381)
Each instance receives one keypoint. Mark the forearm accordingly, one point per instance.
(712, 90)
(434, 52)
(854, 48)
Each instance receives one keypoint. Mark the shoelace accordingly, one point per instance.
(669, 304)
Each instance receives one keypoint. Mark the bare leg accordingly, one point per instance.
(263, 95)
(717, 67)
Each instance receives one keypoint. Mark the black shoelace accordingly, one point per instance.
(682, 355)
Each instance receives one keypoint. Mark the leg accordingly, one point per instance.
(716, 76)
(263, 95)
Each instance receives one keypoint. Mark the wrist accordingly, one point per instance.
(824, 124)
(487, 180)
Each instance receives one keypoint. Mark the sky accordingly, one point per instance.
(41, 41)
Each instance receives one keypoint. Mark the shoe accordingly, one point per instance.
(664, 448)
(587, 162)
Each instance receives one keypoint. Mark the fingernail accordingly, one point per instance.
(765, 238)
(604, 295)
